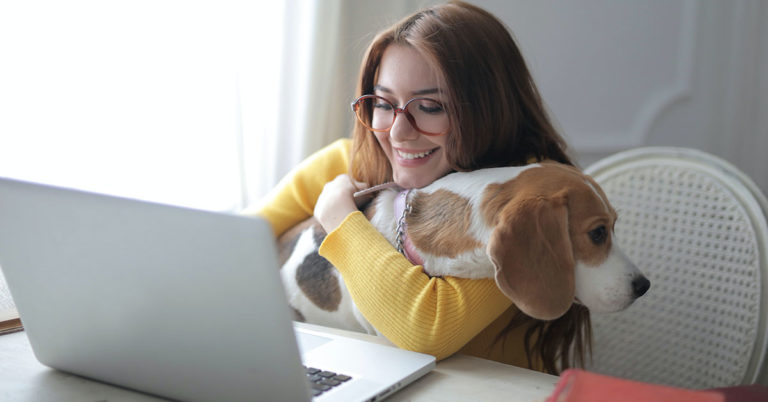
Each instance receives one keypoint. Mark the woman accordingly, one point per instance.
(469, 102)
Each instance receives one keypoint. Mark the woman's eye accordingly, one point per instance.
(382, 106)
(433, 109)
(598, 235)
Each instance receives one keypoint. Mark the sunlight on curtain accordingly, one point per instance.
(302, 108)
(136, 98)
(312, 108)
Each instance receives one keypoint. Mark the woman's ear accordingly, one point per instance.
(532, 252)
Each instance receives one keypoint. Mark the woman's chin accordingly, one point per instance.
(420, 176)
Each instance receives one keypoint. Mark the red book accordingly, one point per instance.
(582, 386)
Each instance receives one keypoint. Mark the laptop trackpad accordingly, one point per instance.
(308, 342)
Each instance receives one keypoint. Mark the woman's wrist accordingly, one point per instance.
(331, 219)
(336, 202)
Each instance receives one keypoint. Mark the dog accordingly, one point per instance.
(544, 231)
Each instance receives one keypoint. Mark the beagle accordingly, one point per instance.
(544, 231)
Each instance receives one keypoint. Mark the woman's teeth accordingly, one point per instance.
(405, 155)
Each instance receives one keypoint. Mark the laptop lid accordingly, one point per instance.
(157, 298)
(172, 301)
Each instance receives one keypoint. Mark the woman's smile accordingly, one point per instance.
(411, 157)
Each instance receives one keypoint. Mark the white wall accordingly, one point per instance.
(618, 75)
(684, 73)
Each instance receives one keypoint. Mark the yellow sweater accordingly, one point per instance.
(437, 316)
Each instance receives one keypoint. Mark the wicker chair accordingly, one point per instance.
(696, 226)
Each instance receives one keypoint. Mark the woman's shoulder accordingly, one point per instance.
(332, 159)
(341, 146)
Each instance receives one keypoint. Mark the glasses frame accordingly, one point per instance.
(356, 105)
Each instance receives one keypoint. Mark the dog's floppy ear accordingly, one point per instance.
(532, 252)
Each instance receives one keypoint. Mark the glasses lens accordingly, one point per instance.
(430, 116)
(376, 113)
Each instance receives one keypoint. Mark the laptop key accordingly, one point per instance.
(322, 380)
(341, 377)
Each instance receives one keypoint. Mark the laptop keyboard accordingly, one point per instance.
(322, 381)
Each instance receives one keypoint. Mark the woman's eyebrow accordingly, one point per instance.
(426, 91)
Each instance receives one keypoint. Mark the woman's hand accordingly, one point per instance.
(336, 201)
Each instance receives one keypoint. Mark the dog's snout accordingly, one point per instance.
(640, 285)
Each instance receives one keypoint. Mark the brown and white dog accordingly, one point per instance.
(544, 231)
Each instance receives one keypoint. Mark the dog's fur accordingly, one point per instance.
(544, 231)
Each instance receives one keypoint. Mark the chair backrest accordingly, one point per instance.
(696, 226)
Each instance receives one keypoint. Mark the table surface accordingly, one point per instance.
(458, 378)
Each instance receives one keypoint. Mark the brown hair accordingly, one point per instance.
(497, 119)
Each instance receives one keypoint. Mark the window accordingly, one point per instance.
(138, 99)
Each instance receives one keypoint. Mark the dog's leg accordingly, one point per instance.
(314, 288)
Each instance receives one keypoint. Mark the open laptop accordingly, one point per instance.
(172, 301)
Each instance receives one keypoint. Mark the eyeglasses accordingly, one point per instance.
(427, 116)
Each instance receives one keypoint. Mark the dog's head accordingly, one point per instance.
(553, 244)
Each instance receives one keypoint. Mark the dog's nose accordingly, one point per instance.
(640, 285)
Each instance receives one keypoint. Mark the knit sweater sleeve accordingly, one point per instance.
(293, 199)
(437, 316)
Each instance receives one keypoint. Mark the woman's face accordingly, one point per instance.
(417, 159)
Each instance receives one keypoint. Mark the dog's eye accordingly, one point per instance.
(598, 235)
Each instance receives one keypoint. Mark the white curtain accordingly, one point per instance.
(324, 44)
(199, 103)
(308, 114)
(136, 98)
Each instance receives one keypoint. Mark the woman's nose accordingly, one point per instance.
(402, 129)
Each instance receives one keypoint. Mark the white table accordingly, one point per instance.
(458, 378)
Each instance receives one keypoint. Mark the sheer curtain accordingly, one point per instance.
(309, 107)
(324, 42)
(204, 104)
(143, 99)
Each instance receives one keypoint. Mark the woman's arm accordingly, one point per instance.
(437, 316)
(293, 199)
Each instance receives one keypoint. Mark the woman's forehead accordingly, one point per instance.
(404, 71)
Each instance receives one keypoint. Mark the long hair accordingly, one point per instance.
(496, 114)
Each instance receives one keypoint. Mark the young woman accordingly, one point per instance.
(444, 90)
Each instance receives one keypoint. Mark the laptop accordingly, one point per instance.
(175, 302)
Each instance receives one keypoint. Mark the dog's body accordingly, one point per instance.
(544, 231)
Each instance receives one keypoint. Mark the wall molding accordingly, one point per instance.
(658, 103)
